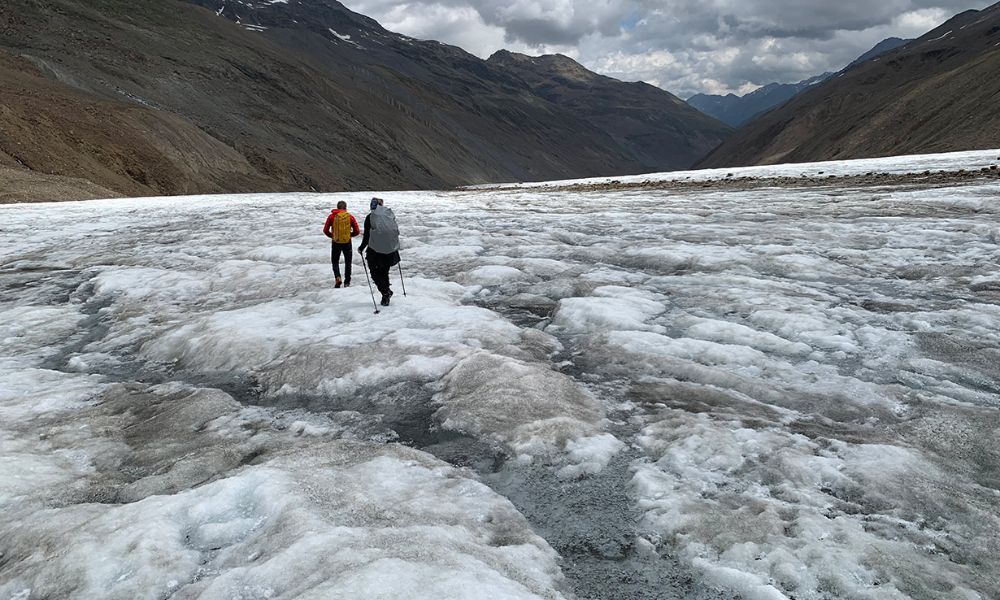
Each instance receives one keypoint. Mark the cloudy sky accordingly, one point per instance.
(685, 46)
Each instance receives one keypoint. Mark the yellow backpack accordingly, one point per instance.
(342, 228)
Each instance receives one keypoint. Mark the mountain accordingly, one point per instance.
(167, 96)
(880, 48)
(938, 93)
(637, 116)
(738, 110)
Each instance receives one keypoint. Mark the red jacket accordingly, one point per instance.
(328, 227)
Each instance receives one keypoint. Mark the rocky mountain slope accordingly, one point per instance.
(935, 94)
(168, 96)
(886, 45)
(638, 116)
(739, 110)
(97, 144)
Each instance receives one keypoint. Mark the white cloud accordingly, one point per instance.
(461, 26)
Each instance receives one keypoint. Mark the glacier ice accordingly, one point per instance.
(796, 393)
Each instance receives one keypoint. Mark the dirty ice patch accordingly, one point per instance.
(613, 308)
(148, 283)
(443, 253)
(841, 521)
(469, 326)
(29, 393)
(543, 267)
(338, 523)
(30, 400)
(816, 328)
(534, 410)
(789, 384)
(332, 341)
(29, 333)
(589, 456)
(409, 368)
(650, 345)
(289, 254)
(681, 256)
(29, 471)
(495, 275)
(725, 332)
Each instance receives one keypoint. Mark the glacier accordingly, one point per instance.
(766, 393)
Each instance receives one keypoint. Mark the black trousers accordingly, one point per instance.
(348, 253)
(380, 265)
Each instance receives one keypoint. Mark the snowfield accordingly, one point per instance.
(765, 394)
(973, 160)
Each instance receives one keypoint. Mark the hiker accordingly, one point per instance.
(340, 227)
(382, 240)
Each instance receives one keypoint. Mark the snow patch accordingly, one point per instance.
(344, 38)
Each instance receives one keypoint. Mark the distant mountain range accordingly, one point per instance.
(144, 97)
(937, 93)
(654, 126)
(738, 110)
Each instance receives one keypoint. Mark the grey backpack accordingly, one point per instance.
(384, 237)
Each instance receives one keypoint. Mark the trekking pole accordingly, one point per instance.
(401, 281)
(365, 265)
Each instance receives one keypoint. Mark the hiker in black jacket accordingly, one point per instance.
(381, 238)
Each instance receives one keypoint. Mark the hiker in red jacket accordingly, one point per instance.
(340, 227)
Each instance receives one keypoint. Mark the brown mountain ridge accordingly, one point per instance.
(938, 93)
(638, 116)
(143, 97)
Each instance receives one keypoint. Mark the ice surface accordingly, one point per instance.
(782, 394)
(917, 163)
(332, 521)
(531, 408)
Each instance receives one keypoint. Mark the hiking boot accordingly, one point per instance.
(385, 299)
(347, 283)
(339, 282)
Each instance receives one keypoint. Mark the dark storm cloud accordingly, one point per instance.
(685, 46)
(540, 32)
